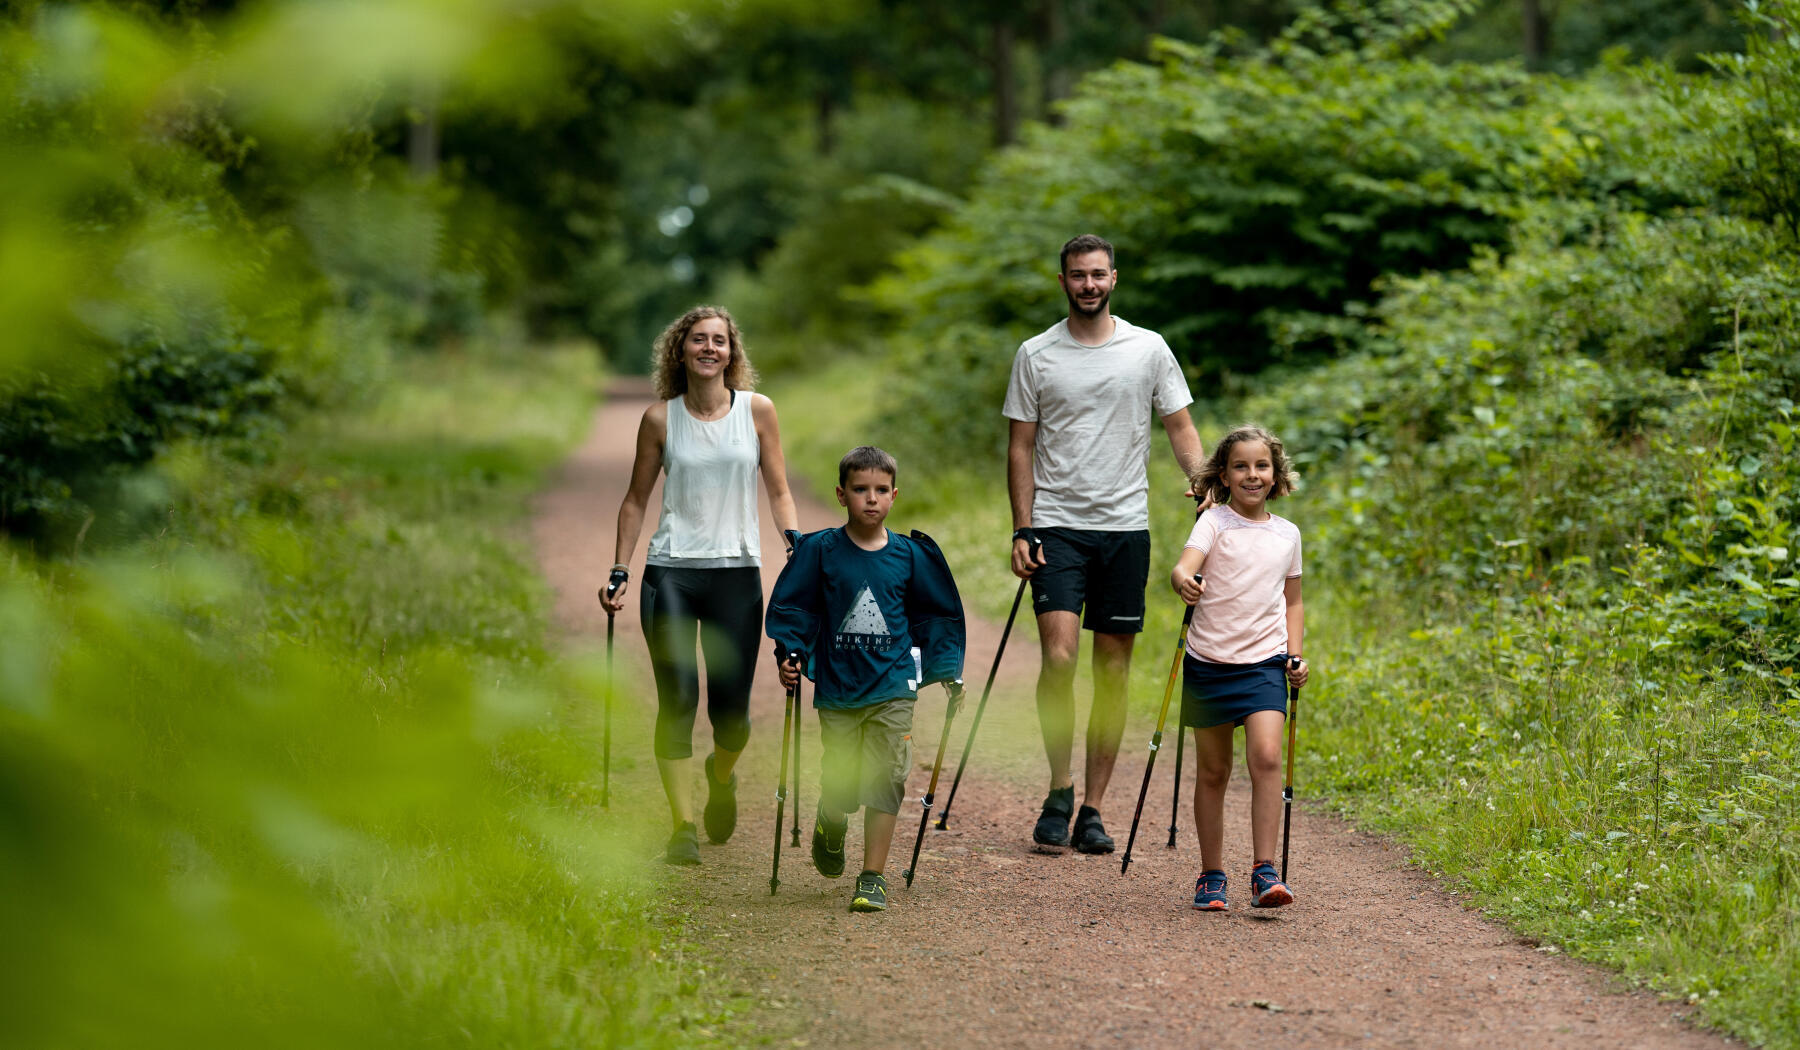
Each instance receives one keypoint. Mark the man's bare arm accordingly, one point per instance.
(1190, 456)
(1021, 444)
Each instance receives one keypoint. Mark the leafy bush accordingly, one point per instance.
(64, 446)
(169, 275)
(893, 173)
(1550, 508)
(1255, 200)
(301, 770)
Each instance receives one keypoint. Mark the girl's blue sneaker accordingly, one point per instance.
(1266, 888)
(1209, 891)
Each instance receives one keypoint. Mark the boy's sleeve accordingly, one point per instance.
(935, 614)
(792, 621)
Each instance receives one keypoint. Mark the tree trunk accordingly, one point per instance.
(423, 143)
(1006, 96)
(1157, 17)
(827, 111)
(1535, 20)
(1053, 36)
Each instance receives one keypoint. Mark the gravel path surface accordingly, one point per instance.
(998, 945)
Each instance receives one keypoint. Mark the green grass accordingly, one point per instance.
(300, 768)
(1587, 784)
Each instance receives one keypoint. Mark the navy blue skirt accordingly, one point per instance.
(1221, 694)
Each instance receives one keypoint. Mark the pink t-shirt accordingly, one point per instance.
(1242, 617)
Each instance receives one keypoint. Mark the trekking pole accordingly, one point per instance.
(956, 697)
(968, 745)
(1175, 804)
(787, 725)
(1187, 619)
(1287, 790)
(613, 583)
(799, 727)
(792, 538)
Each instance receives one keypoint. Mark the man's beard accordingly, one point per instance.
(1099, 307)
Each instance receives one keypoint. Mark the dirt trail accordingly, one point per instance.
(997, 945)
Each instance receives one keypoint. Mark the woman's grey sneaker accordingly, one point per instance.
(828, 844)
(871, 892)
(1090, 835)
(720, 814)
(1053, 823)
(684, 845)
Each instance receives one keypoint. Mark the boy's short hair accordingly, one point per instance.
(867, 457)
(1082, 245)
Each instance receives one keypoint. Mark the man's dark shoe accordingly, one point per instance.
(871, 892)
(1090, 835)
(720, 815)
(828, 844)
(1053, 823)
(684, 846)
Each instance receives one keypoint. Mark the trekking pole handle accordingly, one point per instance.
(615, 580)
(1033, 545)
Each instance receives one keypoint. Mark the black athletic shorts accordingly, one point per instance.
(1103, 572)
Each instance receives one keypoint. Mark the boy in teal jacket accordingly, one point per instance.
(871, 616)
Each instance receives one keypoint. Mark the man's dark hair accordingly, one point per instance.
(867, 457)
(1084, 244)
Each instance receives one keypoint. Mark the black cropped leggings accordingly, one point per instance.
(724, 608)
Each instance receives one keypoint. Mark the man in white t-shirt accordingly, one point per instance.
(1081, 399)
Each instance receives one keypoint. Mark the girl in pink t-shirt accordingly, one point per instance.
(1242, 649)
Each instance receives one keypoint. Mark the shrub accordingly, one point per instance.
(1255, 200)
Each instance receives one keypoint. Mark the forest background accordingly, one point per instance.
(301, 302)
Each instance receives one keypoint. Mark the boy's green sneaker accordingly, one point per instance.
(871, 892)
(828, 844)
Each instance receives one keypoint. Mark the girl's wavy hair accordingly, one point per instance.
(1209, 481)
(665, 356)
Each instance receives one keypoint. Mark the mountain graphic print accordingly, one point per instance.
(863, 626)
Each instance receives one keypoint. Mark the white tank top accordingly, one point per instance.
(709, 490)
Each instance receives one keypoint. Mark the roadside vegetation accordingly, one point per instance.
(306, 747)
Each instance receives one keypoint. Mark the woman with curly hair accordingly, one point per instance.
(710, 435)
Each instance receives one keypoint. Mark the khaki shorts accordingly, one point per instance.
(867, 755)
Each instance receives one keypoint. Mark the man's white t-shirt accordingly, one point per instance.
(1093, 406)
